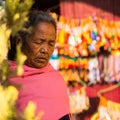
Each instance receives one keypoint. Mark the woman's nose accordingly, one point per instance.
(43, 49)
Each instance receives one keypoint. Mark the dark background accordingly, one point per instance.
(51, 5)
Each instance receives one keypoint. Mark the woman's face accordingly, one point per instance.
(39, 47)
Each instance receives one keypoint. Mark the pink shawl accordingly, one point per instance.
(46, 88)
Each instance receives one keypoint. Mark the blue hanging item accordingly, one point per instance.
(94, 34)
(54, 59)
(54, 56)
(91, 47)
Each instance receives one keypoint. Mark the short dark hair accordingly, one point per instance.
(34, 17)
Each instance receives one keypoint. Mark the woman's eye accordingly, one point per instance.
(38, 42)
(51, 43)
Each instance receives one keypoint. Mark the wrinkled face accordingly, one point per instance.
(39, 47)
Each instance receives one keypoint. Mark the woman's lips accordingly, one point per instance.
(40, 60)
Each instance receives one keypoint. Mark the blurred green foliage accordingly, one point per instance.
(13, 15)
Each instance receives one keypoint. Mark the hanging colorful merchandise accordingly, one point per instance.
(107, 110)
(78, 101)
(109, 106)
(82, 42)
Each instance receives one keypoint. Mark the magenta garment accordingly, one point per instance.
(46, 88)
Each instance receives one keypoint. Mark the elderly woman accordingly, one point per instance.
(40, 82)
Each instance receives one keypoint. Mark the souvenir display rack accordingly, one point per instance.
(88, 50)
(87, 54)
